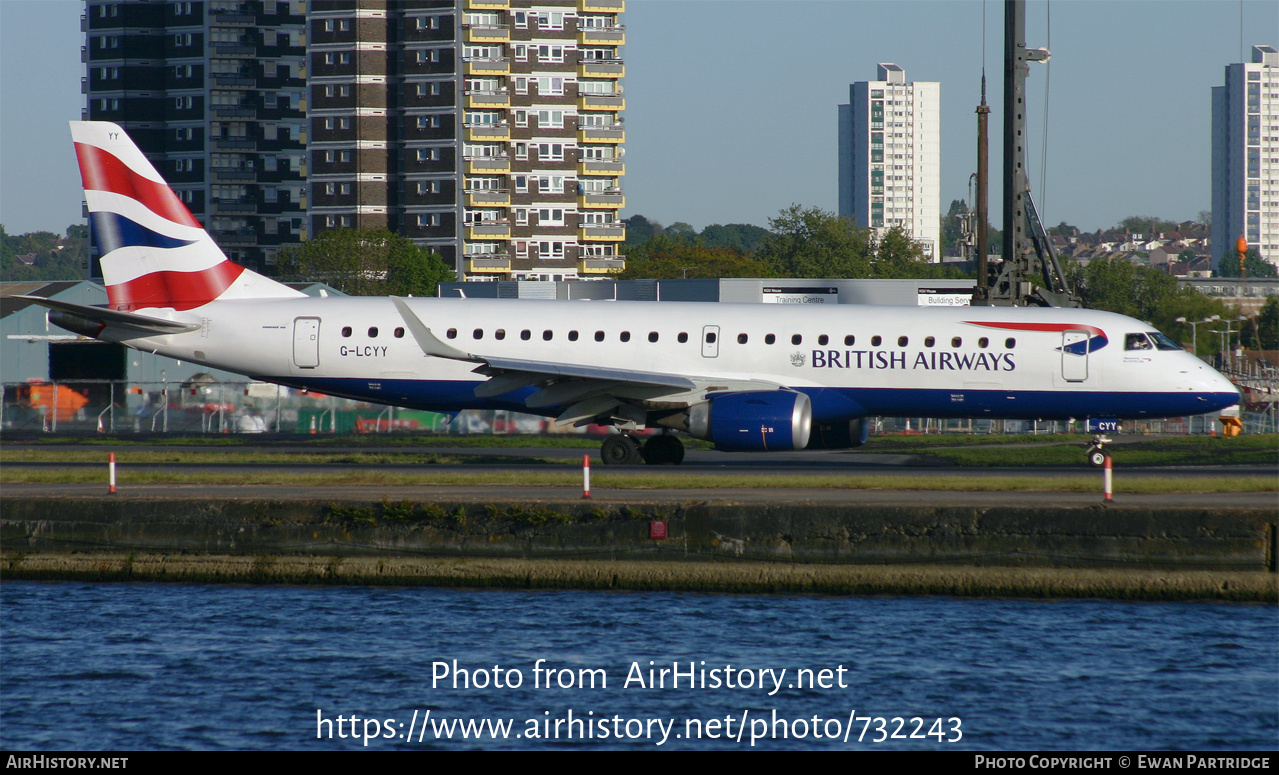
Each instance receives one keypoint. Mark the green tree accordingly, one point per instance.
(365, 262)
(1253, 265)
(1268, 325)
(640, 229)
(682, 231)
(1146, 224)
(742, 237)
(952, 228)
(811, 242)
(666, 258)
(896, 255)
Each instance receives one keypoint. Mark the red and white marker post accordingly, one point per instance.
(586, 476)
(111, 474)
(1109, 482)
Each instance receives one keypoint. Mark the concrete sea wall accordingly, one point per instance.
(1132, 552)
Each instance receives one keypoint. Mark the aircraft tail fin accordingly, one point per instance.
(154, 253)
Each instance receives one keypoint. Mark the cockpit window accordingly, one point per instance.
(1162, 342)
(1137, 342)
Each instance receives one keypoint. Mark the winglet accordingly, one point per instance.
(430, 343)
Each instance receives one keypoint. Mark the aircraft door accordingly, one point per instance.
(710, 341)
(306, 343)
(1074, 355)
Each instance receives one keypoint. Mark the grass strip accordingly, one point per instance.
(656, 481)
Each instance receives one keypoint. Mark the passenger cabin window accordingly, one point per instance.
(373, 332)
(683, 337)
(1010, 343)
(346, 331)
(652, 336)
(399, 332)
(796, 339)
(625, 336)
(741, 338)
(983, 343)
(1137, 342)
(526, 335)
(769, 339)
(875, 340)
(546, 336)
(710, 337)
(599, 336)
(572, 336)
(929, 341)
(823, 340)
(902, 341)
(848, 340)
(478, 333)
(451, 333)
(500, 333)
(957, 342)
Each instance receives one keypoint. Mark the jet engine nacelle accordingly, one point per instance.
(842, 434)
(743, 422)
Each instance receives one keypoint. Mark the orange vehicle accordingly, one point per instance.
(57, 400)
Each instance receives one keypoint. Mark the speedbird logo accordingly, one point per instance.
(1095, 341)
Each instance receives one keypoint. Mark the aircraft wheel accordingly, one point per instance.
(664, 450)
(1097, 458)
(620, 451)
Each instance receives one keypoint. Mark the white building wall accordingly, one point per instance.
(910, 195)
(1245, 155)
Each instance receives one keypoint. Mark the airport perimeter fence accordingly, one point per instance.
(195, 407)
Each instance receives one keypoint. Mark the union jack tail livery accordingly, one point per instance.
(154, 254)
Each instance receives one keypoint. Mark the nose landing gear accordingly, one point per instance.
(1097, 453)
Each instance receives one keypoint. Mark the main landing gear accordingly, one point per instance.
(625, 450)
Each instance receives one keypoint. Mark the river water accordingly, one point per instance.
(185, 666)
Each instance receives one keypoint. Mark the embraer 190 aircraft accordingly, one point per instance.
(745, 376)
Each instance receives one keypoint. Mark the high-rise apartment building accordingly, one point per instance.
(215, 94)
(490, 131)
(1245, 157)
(890, 156)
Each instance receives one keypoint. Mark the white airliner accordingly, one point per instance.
(745, 376)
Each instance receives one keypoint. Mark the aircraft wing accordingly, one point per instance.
(84, 319)
(585, 392)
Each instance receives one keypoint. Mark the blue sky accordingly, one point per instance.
(731, 104)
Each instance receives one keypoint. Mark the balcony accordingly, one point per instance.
(601, 232)
(234, 143)
(610, 167)
(487, 33)
(612, 133)
(233, 174)
(488, 66)
(234, 111)
(600, 265)
(488, 198)
(231, 19)
(235, 237)
(601, 6)
(487, 132)
(488, 165)
(493, 264)
(488, 5)
(488, 230)
(596, 101)
(601, 68)
(232, 205)
(601, 36)
(601, 201)
(488, 99)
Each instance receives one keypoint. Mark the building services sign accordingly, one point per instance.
(945, 297)
(777, 294)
